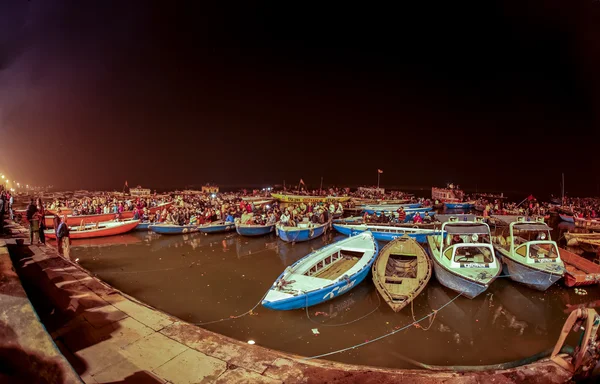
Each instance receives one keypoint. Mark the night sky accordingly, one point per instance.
(499, 96)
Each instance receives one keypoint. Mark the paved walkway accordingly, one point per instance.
(27, 352)
(109, 337)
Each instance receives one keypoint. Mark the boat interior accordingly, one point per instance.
(335, 265)
(401, 267)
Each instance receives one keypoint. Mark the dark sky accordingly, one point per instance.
(502, 96)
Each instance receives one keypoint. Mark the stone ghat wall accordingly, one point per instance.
(27, 352)
(108, 336)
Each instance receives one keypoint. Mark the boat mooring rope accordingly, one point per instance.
(385, 335)
(349, 322)
(233, 317)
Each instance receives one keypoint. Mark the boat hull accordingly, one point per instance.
(226, 227)
(321, 295)
(466, 287)
(459, 205)
(309, 199)
(296, 235)
(327, 292)
(567, 218)
(527, 276)
(254, 230)
(420, 237)
(102, 232)
(88, 219)
(171, 229)
(143, 227)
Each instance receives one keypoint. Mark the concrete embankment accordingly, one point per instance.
(108, 336)
(27, 352)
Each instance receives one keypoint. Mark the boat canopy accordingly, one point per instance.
(469, 228)
(531, 227)
(459, 217)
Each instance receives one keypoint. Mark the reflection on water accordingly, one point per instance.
(201, 278)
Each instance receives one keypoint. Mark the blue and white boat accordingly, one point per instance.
(217, 227)
(386, 233)
(462, 205)
(303, 232)
(529, 256)
(409, 215)
(172, 229)
(406, 210)
(324, 274)
(143, 226)
(389, 207)
(254, 230)
(464, 261)
(349, 220)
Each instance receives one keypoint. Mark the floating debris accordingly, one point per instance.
(315, 331)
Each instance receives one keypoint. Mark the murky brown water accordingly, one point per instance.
(201, 278)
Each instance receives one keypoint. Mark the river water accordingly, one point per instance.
(200, 278)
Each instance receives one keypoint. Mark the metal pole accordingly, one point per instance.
(321, 187)
(378, 175)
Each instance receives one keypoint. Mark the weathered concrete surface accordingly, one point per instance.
(110, 337)
(27, 353)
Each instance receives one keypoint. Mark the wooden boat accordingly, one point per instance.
(88, 231)
(459, 205)
(464, 261)
(586, 223)
(285, 198)
(449, 194)
(401, 272)
(529, 255)
(392, 207)
(386, 233)
(579, 270)
(254, 230)
(323, 274)
(566, 217)
(303, 232)
(86, 219)
(172, 229)
(576, 239)
(217, 227)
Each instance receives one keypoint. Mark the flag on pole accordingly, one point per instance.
(302, 182)
(530, 197)
(126, 183)
(379, 171)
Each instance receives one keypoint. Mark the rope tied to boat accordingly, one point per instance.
(416, 324)
(347, 323)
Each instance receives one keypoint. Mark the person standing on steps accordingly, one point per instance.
(33, 226)
(62, 236)
(2, 210)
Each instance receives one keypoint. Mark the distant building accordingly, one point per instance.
(139, 191)
(210, 188)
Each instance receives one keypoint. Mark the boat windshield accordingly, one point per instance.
(539, 251)
(528, 235)
(473, 254)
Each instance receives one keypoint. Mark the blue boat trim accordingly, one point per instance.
(295, 234)
(224, 227)
(307, 299)
(173, 229)
(254, 230)
(420, 237)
